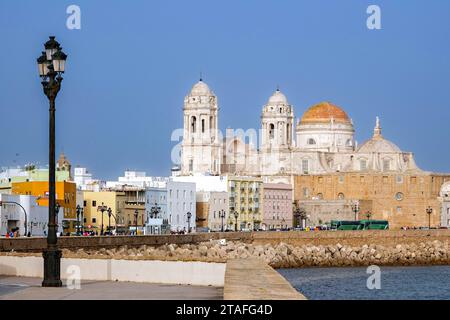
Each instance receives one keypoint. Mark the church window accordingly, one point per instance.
(399, 209)
(191, 165)
(341, 196)
(305, 166)
(362, 164)
(311, 141)
(349, 143)
(399, 179)
(193, 124)
(341, 179)
(288, 133)
(399, 196)
(386, 165)
(203, 125)
(271, 130)
(320, 196)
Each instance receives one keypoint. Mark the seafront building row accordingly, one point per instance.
(302, 172)
(142, 204)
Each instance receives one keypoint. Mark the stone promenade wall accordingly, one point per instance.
(295, 238)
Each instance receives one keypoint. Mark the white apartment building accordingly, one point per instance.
(137, 179)
(84, 181)
(22, 211)
(176, 200)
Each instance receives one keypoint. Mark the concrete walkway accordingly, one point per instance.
(19, 288)
(253, 279)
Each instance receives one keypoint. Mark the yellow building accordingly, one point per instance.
(245, 194)
(402, 199)
(66, 193)
(123, 205)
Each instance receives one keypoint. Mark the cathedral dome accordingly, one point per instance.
(324, 112)
(200, 89)
(277, 98)
(378, 144)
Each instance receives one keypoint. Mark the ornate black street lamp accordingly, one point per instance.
(355, 209)
(368, 215)
(51, 65)
(102, 209)
(79, 213)
(189, 216)
(429, 211)
(136, 216)
(236, 215)
(154, 211)
(109, 220)
(222, 214)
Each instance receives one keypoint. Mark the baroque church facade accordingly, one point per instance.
(318, 155)
(320, 142)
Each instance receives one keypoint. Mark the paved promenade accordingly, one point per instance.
(18, 288)
(253, 279)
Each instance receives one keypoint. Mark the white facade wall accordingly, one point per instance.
(156, 197)
(205, 182)
(181, 199)
(137, 179)
(12, 215)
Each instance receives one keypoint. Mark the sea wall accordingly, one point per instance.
(278, 249)
(297, 238)
(281, 255)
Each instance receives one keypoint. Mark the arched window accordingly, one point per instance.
(203, 125)
(320, 196)
(311, 141)
(288, 132)
(349, 143)
(341, 196)
(271, 130)
(193, 124)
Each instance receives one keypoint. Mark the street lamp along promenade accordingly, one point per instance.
(236, 215)
(189, 216)
(222, 215)
(429, 211)
(355, 209)
(51, 65)
(79, 213)
(136, 216)
(102, 209)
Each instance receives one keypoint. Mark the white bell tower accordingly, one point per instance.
(200, 150)
(277, 123)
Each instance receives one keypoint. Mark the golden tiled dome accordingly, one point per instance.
(323, 112)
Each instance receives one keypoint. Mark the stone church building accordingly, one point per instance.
(317, 155)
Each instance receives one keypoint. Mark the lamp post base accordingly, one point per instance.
(52, 268)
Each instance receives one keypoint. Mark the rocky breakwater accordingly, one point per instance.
(283, 255)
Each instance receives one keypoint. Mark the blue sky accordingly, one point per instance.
(132, 63)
